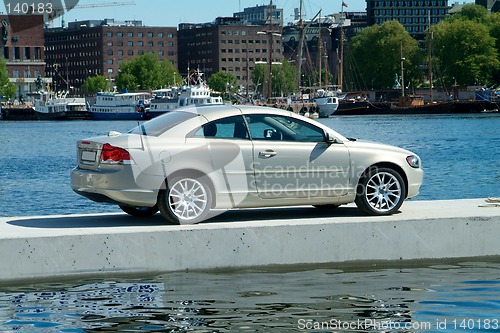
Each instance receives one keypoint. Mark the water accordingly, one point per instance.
(435, 298)
(460, 157)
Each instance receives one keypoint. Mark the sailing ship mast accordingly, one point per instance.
(341, 55)
(430, 57)
(270, 68)
(301, 43)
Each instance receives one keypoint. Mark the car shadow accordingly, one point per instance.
(122, 220)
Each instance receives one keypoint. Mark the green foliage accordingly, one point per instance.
(378, 49)
(283, 78)
(95, 84)
(471, 12)
(145, 72)
(219, 81)
(466, 52)
(7, 88)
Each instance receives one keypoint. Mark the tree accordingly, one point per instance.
(465, 52)
(378, 51)
(7, 88)
(471, 12)
(283, 78)
(95, 84)
(220, 81)
(145, 72)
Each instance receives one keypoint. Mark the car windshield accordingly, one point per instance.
(160, 125)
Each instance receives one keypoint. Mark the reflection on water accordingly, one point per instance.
(425, 299)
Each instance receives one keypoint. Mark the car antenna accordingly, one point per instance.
(140, 134)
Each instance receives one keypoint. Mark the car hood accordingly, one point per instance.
(370, 145)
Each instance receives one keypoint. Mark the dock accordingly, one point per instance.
(115, 244)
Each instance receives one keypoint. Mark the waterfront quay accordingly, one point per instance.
(76, 246)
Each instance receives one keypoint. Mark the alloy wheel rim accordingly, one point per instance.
(383, 191)
(188, 199)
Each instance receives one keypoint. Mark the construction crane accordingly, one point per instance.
(60, 10)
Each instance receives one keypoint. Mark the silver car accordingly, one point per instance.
(194, 163)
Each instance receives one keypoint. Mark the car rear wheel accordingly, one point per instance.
(140, 211)
(187, 200)
(380, 192)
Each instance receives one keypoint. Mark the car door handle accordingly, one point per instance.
(267, 153)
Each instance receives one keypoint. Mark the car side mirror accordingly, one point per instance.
(329, 138)
(268, 133)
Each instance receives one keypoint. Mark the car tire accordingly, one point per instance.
(186, 200)
(327, 207)
(140, 211)
(381, 191)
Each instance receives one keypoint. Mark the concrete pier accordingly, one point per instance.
(58, 247)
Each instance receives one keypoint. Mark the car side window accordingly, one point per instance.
(281, 128)
(225, 128)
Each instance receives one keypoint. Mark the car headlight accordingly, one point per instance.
(413, 161)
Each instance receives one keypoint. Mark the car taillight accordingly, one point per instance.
(112, 154)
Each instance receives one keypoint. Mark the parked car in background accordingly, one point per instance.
(193, 163)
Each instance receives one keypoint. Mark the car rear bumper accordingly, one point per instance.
(113, 187)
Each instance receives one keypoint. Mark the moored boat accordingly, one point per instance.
(59, 106)
(124, 106)
(326, 103)
(196, 92)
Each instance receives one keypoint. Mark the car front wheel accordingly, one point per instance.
(380, 192)
(140, 211)
(187, 200)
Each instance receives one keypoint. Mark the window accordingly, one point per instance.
(119, 34)
(150, 34)
(140, 34)
(130, 52)
(170, 35)
(120, 52)
(140, 43)
(130, 43)
(280, 128)
(160, 35)
(226, 128)
(110, 52)
(130, 34)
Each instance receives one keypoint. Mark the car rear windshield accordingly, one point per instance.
(161, 124)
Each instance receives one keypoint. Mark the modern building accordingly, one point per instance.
(99, 47)
(228, 44)
(259, 15)
(414, 15)
(23, 50)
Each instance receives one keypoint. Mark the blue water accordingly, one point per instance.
(461, 160)
(456, 297)
(460, 153)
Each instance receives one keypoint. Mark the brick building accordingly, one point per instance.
(229, 45)
(23, 50)
(95, 47)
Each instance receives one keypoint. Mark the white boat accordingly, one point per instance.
(327, 102)
(124, 106)
(196, 92)
(49, 105)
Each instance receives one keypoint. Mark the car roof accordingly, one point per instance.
(212, 112)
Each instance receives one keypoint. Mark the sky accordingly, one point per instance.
(170, 13)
